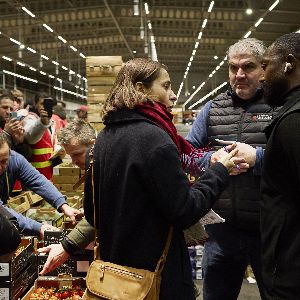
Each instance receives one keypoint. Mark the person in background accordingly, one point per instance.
(239, 114)
(59, 117)
(40, 134)
(10, 125)
(18, 99)
(82, 112)
(77, 139)
(14, 166)
(140, 186)
(280, 206)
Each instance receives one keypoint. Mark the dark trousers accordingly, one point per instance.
(226, 256)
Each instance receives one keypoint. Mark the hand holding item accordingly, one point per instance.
(72, 213)
(44, 117)
(57, 256)
(47, 227)
(227, 160)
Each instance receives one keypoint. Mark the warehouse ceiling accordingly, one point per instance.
(80, 28)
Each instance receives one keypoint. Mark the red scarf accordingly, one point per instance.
(158, 114)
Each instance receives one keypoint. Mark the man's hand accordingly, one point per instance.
(57, 256)
(72, 213)
(47, 227)
(44, 117)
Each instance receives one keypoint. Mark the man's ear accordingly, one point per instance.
(291, 62)
(139, 86)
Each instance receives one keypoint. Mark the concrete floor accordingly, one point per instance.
(248, 291)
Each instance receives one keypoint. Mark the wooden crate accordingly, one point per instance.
(96, 98)
(19, 203)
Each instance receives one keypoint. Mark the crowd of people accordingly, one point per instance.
(137, 188)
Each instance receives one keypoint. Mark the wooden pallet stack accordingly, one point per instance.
(101, 72)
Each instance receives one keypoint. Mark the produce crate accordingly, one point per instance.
(14, 289)
(33, 198)
(11, 269)
(46, 215)
(19, 203)
(66, 171)
(64, 179)
(59, 282)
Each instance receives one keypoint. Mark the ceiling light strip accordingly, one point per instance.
(20, 76)
(208, 95)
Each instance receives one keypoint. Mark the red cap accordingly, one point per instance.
(83, 108)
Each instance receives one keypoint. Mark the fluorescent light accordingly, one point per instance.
(204, 23)
(209, 94)
(20, 64)
(28, 12)
(189, 64)
(197, 90)
(71, 72)
(31, 50)
(32, 69)
(15, 41)
(55, 62)
(84, 79)
(78, 75)
(247, 34)
(51, 76)
(213, 72)
(62, 39)
(196, 45)
(76, 86)
(69, 92)
(59, 79)
(83, 56)
(149, 25)
(210, 75)
(194, 52)
(146, 8)
(216, 57)
(73, 48)
(42, 72)
(222, 63)
(45, 57)
(200, 35)
(191, 58)
(211, 6)
(63, 67)
(258, 22)
(217, 68)
(48, 27)
(20, 76)
(22, 46)
(6, 58)
(273, 5)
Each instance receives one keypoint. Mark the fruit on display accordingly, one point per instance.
(68, 293)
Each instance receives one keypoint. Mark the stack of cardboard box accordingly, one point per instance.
(101, 72)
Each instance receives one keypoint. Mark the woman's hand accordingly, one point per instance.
(228, 159)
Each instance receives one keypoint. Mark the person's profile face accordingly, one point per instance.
(161, 89)
(77, 153)
(244, 74)
(274, 81)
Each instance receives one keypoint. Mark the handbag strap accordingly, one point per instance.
(162, 259)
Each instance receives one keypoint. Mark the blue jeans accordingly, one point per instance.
(226, 256)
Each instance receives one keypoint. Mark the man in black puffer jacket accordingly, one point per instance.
(240, 115)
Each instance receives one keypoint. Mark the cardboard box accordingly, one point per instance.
(104, 60)
(96, 98)
(66, 171)
(11, 269)
(64, 187)
(19, 203)
(64, 179)
(13, 290)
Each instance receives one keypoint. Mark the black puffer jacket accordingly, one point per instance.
(9, 234)
(140, 190)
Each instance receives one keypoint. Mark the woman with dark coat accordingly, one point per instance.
(139, 183)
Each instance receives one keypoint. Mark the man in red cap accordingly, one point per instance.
(82, 112)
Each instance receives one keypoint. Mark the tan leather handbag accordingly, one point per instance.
(107, 280)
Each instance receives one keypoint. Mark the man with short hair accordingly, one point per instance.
(280, 206)
(14, 166)
(77, 139)
(240, 115)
